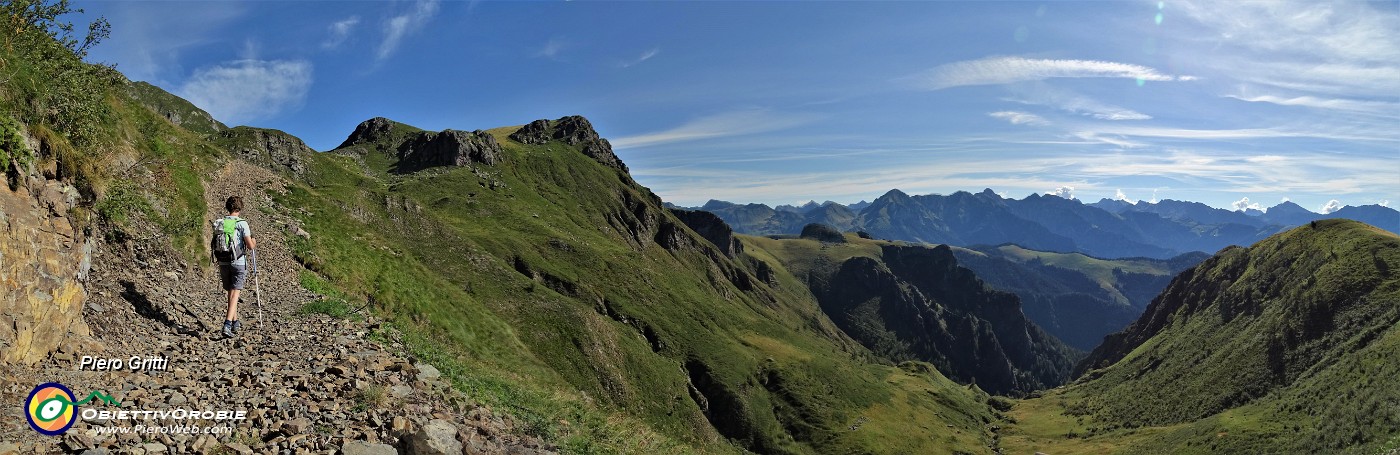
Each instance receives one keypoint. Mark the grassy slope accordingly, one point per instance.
(1208, 383)
(606, 332)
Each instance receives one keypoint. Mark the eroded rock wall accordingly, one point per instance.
(43, 267)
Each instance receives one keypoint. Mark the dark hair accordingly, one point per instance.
(234, 204)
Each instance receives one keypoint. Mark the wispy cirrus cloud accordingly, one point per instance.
(1019, 118)
(553, 48)
(400, 26)
(646, 55)
(1068, 101)
(1006, 70)
(339, 32)
(1334, 47)
(1342, 104)
(734, 123)
(1321, 131)
(240, 91)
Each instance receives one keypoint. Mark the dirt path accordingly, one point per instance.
(307, 383)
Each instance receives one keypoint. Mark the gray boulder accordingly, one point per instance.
(438, 437)
(365, 448)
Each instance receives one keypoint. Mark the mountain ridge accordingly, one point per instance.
(1106, 229)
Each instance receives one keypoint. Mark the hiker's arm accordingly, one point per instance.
(252, 243)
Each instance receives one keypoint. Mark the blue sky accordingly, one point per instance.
(1227, 103)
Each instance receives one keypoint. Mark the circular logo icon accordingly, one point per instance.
(50, 409)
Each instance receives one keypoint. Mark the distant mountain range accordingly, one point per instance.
(1104, 229)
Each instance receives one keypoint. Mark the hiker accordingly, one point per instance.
(232, 239)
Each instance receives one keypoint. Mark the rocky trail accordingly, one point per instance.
(308, 383)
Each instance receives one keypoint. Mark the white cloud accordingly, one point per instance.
(1384, 203)
(1319, 131)
(1044, 95)
(1331, 206)
(397, 27)
(1019, 118)
(1116, 141)
(1324, 103)
(339, 31)
(735, 123)
(1285, 199)
(1005, 70)
(243, 90)
(1334, 47)
(641, 58)
(1066, 192)
(552, 48)
(1120, 196)
(1244, 204)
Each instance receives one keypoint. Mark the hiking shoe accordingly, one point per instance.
(228, 329)
(237, 326)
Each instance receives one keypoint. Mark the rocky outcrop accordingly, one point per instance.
(823, 233)
(918, 304)
(369, 131)
(712, 228)
(44, 263)
(271, 149)
(601, 151)
(572, 130)
(447, 148)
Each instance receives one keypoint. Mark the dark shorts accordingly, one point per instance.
(232, 275)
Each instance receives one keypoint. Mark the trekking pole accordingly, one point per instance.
(257, 290)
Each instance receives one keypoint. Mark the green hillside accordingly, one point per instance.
(560, 273)
(1287, 346)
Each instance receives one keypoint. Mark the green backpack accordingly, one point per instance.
(225, 244)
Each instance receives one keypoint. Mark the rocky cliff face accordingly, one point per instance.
(43, 267)
(711, 228)
(369, 131)
(572, 130)
(916, 303)
(271, 149)
(447, 148)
